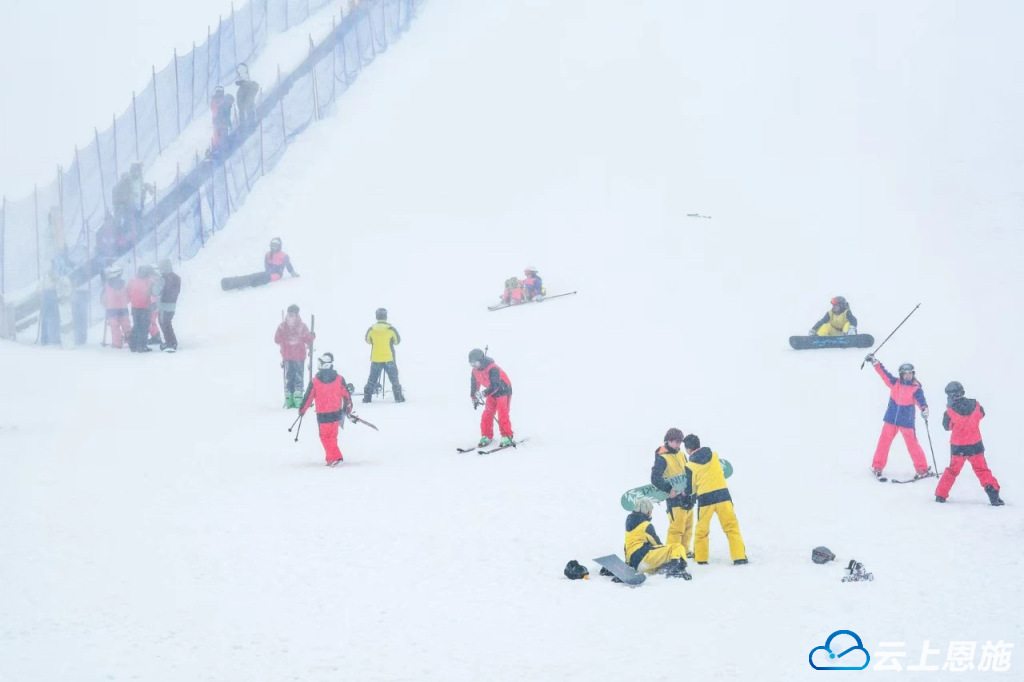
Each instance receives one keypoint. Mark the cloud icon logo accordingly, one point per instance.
(843, 650)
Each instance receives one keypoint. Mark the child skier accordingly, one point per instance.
(115, 300)
(899, 417)
(643, 549)
(495, 394)
(277, 261)
(514, 293)
(533, 285)
(382, 338)
(295, 339)
(837, 321)
(962, 418)
(333, 403)
(668, 463)
(709, 487)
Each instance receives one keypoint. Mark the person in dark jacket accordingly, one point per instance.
(333, 400)
(963, 419)
(490, 386)
(169, 289)
(245, 100)
(707, 484)
(643, 549)
(669, 463)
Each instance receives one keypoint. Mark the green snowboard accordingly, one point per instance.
(679, 482)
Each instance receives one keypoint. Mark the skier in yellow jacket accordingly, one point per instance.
(643, 549)
(708, 484)
(382, 338)
(668, 463)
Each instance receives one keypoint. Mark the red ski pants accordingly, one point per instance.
(909, 437)
(957, 462)
(329, 437)
(120, 327)
(499, 405)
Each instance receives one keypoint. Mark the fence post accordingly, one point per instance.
(81, 200)
(284, 130)
(177, 96)
(252, 27)
(227, 189)
(156, 115)
(234, 36)
(135, 124)
(316, 99)
(209, 62)
(177, 205)
(220, 38)
(192, 96)
(103, 186)
(261, 147)
(117, 171)
(199, 204)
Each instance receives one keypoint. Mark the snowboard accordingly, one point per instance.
(808, 342)
(500, 306)
(629, 498)
(256, 279)
(621, 570)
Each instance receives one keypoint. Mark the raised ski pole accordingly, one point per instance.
(879, 346)
(928, 431)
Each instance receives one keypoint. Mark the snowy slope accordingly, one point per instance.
(161, 524)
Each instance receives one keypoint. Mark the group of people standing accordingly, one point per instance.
(141, 310)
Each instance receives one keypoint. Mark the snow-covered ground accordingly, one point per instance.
(160, 524)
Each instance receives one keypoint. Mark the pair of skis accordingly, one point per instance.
(883, 479)
(483, 451)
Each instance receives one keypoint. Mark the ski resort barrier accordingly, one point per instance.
(52, 234)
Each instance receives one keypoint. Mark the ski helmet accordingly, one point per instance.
(529, 269)
(382, 313)
(219, 90)
(293, 309)
(954, 390)
(574, 570)
(822, 555)
(673, 434)
(326, 361)
(906, 367)
(476, 355)
(839, 301)
(644, 505)
(275, 244)
(113, 271)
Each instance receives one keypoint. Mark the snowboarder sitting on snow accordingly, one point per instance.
(962, 417)
(899, 417)
(708, 484)
(643, 549)
(382, 338)
(668, 463)
(294, 338)
(333, 403)
(277, 261)
(495, 394)
(533, 285)
(514, 293)
(837, 321)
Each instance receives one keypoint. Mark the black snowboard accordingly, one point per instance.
(808, 342)
(256, 279)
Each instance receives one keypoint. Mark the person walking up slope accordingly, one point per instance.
(709, 486)
(329, 392)
(495, 392)
(899, 417)
(382, 338)
(963, 418)
(669, 462)
(295, 339)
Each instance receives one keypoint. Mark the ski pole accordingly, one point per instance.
(928, 431)
(879, 346)
(298, 429)
(294, 423)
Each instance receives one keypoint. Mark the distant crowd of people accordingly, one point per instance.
(141, 311)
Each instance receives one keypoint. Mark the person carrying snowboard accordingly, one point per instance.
(839, 320)
(115, 301)
(668, 463)
(495, 393)
(277, 261)
(643, 549)
(330, 393)
(294, 338)
(382, 338)
(899, 417)
(707, 484)
(533, 285)
(963, 419)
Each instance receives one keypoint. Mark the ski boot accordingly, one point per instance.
(399, 396)
(877, 472)
(740, 562)
(675, 569)
(940, 499)
(289, 402)
(689, 555)
(923, 473)
(297, 397)
(367, 393)
(993, 496)
(506, 441)
(484, 442)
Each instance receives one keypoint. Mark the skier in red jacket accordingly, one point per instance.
(333, 403)
(962, 418)
(294, 338)
(495, 394)
(115, 300)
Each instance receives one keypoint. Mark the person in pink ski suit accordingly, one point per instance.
(115, 301)
(904, 393)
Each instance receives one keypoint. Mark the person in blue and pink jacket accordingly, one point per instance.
(904, 393)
